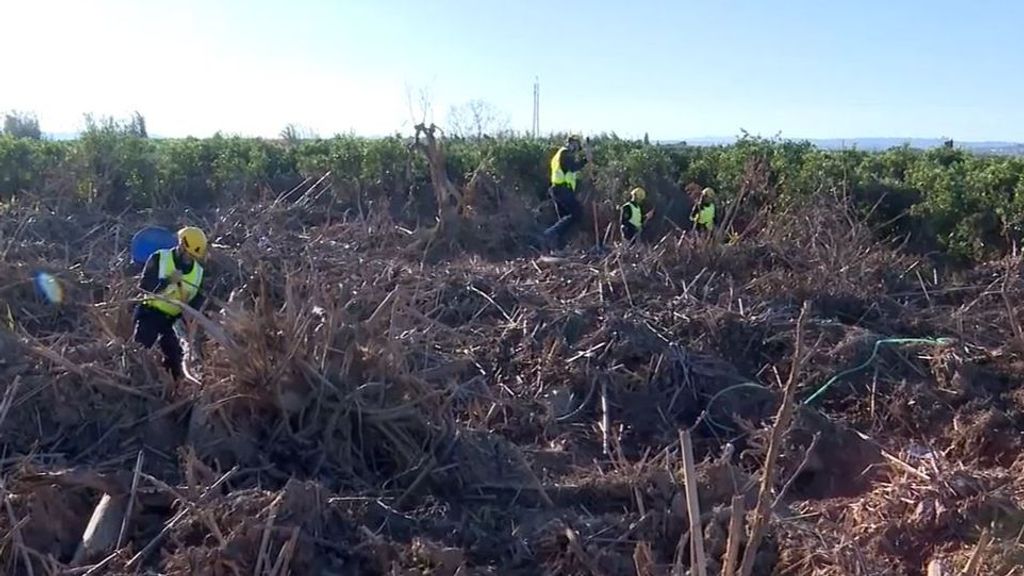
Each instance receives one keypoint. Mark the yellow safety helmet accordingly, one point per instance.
(709, 192)
(637, 194)
(193, 241)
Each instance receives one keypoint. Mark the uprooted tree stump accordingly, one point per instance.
(451, 202)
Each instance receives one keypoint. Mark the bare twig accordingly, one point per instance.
(491, 300)
(775, 442)
(532, 477)
(284, 557)
(8, 400)
(262, 557)
(577, 549)
(643, 560)
(1011, 312)
(698, 561)
(605, 417)
(174, 521)
(732, 547)
(96, 568)
(978, 556)
(625, 282)
(798, 471)
(19, 542)
(427, 469)
(131, 500)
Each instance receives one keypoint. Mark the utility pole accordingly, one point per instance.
(536, 107)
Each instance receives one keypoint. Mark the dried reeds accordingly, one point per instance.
(460, 395)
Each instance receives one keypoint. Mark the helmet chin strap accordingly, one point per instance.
(181, 254)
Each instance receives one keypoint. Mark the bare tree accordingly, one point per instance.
(421, 106)
(22, 125)
(476, 119)
(137, 125)
(294, 133)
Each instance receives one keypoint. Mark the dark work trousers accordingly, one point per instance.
(629, 233)
(152, 325)
(569, 214)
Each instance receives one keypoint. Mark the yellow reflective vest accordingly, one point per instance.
(558, 176)
(705, 217)
(636, 215)
(184, 291)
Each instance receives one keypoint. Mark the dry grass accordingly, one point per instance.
(364, 410)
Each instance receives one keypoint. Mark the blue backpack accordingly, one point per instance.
(149, 240)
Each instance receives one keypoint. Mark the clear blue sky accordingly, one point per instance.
(673, 69)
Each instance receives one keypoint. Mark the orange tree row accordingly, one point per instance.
(970, 205)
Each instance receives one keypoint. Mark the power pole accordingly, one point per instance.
(536, 107)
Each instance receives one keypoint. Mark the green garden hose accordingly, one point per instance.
(824, 387)
(874, 353)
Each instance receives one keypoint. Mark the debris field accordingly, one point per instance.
(365, 405)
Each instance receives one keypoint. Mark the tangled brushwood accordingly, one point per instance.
(373, 401)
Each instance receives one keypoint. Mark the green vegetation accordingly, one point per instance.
(969, 205)
(22, 125)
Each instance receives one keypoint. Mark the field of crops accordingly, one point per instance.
(379, 394)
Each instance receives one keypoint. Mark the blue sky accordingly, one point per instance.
(673, 69)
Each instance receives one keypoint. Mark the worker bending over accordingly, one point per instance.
(704, 211)
(565, 167)
(177, 275)
(633, 218)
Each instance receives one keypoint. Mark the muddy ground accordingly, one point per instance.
(362, 409)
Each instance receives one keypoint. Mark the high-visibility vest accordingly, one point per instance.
(636, 215)
(558, 176)
(183, 292)
(706, 216)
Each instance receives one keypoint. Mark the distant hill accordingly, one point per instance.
(982, 147)
(923, 143)
(60, 135)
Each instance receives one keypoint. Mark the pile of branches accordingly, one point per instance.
(360, 406)
(928, 511)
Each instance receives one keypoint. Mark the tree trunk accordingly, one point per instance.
(450, 200)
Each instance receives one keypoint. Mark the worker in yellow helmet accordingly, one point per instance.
(704, 210)
(565, 167)
(633, 217)
(176, 274)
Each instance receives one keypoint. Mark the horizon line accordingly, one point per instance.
(675, 140)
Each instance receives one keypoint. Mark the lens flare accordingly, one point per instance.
(49, 287)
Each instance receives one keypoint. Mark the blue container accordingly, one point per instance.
(149, 240)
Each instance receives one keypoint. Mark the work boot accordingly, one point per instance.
(177, 370)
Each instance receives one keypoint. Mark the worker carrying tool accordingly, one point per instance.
(633, 217)
(176, 274)
(565, 167)
(704, 210)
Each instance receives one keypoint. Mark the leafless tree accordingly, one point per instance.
(421, 106)
(476, 119)
(294, 133)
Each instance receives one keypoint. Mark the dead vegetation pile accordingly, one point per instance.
(366, 410)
